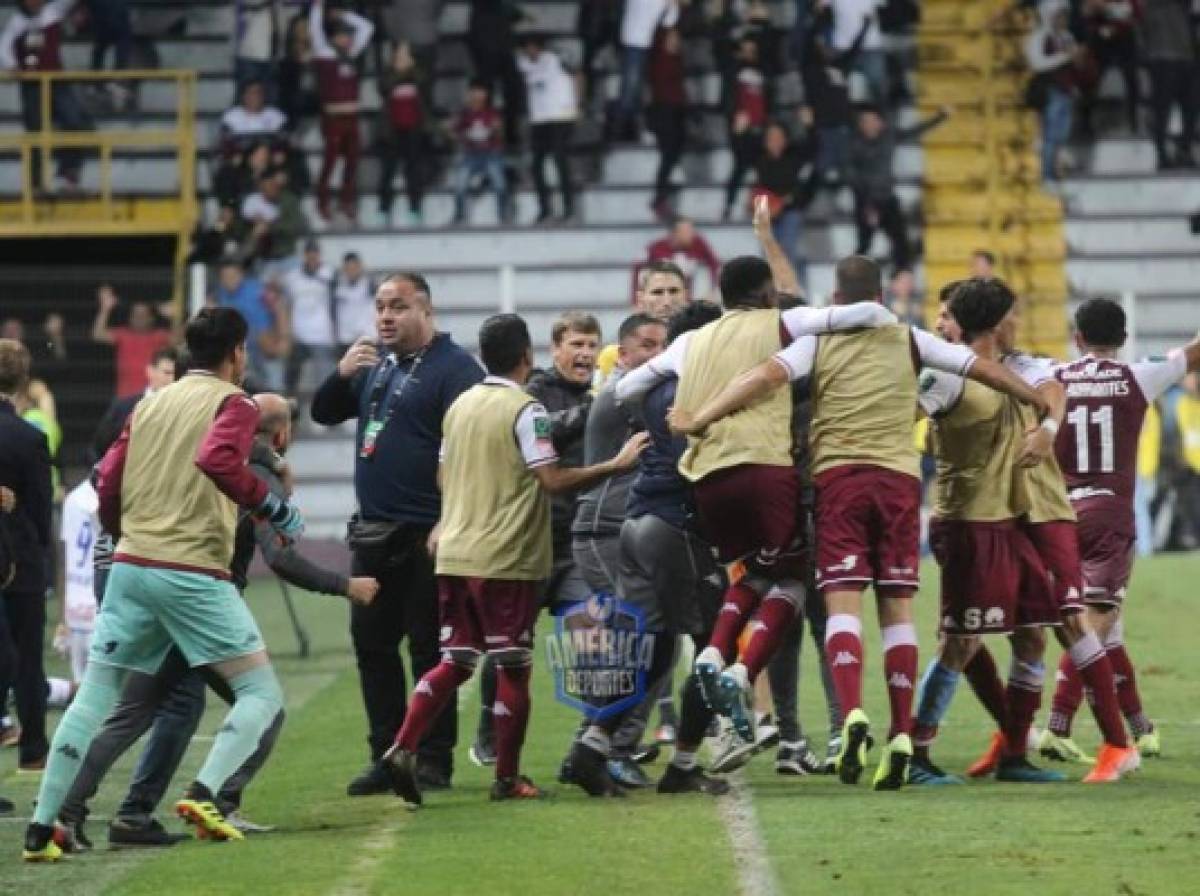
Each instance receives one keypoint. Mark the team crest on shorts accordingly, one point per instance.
(599, 654)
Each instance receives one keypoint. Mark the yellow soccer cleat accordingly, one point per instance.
(1062, 749)
(41, 844)
(893, 764)
(207, 819)
(856, 740)
(1149, 744)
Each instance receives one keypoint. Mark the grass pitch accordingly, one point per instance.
(817, 836)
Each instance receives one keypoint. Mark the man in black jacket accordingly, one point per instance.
(173, 699)
(25, 536)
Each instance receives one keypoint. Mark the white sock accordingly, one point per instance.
(59, 692)
(739, 674)
(684, 760)
(712, 657)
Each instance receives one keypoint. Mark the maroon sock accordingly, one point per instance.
(1128, 697)
(1068, 694)
(1024, 698)
(740, 601)
(984, 679)
(1096, 671)
(844, 655)
(775, 615)
(429, 697)
(511, 715)
(923, 737)
(900, 671)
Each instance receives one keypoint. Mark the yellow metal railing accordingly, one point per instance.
(36, 213)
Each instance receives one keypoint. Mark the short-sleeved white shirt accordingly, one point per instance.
(531, 430)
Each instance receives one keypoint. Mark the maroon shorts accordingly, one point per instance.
(980, 575)
(1036, 604)
(486, 614)
(1107, 559)
(868, 522)
(751, 512)
(1057, 543)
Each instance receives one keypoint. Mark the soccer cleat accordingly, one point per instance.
(628, 774)
(732, 752)
(6, 806)
(692, 780)
(852, 755)
(1062, 749)
(518, 787)
(923, 773)
(708, 668)
(893, 764)
(10, 733)
(401, 766)
(482, 753)
(246, 826)
(738, 698)
(431, 777)
(796, 758)
(40, 845)
(1111, 763)
(645, 754)
(1020, 770)
(833, 750)
(986, 764)
(207, 819)
(1149, 744)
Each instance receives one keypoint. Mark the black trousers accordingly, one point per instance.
(22, 629)
(599, 26)
(747, 147)
(552, 139)
(1120, 51)
(890, 217)
(66, 114)
(394, 147)
(406, 607)
(669, 123)
(1173, 83)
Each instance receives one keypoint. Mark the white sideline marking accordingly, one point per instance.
(361, 874)
(755, 877)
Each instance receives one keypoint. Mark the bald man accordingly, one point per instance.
(173, 699)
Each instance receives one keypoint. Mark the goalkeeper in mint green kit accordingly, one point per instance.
(170, 487)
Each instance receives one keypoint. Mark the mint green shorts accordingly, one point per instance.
(147, 609)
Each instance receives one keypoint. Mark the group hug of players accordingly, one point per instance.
(1033, 520)
(1033, 529)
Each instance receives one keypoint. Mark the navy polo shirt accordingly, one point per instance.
(399, 481)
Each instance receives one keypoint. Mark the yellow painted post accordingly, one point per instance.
(44, 88)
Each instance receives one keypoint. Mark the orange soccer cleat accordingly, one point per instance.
(986, 764)
(1112, 762)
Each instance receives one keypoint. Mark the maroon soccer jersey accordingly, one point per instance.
(1097, 444)
(337, 80)
(34, 43)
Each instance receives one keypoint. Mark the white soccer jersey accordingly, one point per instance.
(80, 526)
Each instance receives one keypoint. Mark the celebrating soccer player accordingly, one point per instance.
(492, 547)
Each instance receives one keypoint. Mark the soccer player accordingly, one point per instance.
(492, 547)
(746, 485)
(1097, 450)
(987, 563)
(668, 572)
(170, 487)
(1050, 524)
(866, 472)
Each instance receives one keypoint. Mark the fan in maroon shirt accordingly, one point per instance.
(335, 61)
